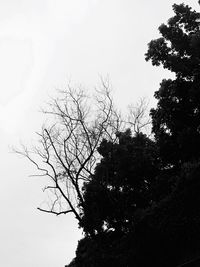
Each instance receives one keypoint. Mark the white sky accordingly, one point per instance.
(43, 44)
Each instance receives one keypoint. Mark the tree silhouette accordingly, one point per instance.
(177, 116)
(67, 149)
(144, 193)
(121, 183)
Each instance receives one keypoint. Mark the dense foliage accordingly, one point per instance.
(177, 116)
(121, 183)
(141, 206)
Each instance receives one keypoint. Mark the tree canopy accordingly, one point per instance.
(121, 183)
(176, 118)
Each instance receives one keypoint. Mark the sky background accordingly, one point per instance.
(43, 45)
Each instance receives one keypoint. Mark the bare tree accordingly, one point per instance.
(67, 149)
(138, 117)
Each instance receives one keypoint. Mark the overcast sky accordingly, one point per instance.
(43, 44)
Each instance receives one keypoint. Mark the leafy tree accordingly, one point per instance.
(176, 120)
(148, 198)
(108, 249)
(175, 220)
(121, 183)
